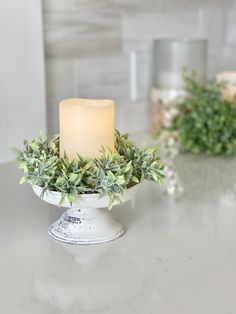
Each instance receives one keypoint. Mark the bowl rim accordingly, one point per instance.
(83, 195)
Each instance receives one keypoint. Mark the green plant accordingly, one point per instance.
(107, 175)
(206, 121)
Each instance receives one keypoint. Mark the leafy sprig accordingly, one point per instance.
(108, 175)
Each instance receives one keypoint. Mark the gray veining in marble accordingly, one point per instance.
(177, 257)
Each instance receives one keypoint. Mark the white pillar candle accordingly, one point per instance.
(85, 126)
(229, 91)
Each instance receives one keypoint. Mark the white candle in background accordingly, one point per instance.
(85, 126)
(229, 92)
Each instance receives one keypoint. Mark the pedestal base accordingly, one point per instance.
(86, 226)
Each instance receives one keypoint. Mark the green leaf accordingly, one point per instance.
(73, 177)
(59, 181)
(24, 167)
(71, 199)
(40, 136)
(23, 180)
(62, 200)
(134, 179)
(111, 175)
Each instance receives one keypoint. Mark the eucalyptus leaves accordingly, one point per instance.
(206, 121)
(108, 175)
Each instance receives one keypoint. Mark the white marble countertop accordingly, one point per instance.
(177, 257)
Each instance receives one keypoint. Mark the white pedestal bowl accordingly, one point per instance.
(88, 220)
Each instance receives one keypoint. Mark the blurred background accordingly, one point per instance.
(55, 49)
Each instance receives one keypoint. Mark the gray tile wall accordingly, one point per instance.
(101, 48)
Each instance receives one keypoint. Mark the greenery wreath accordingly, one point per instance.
(108, 175)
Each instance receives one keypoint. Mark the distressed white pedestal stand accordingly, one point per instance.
(87, 221)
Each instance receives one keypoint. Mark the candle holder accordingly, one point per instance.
(88, 187)
(87, 221)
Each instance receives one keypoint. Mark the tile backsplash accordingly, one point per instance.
(101, 49)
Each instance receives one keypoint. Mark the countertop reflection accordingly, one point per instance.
(177, 256)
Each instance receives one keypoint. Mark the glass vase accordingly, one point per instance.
(170, 58)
